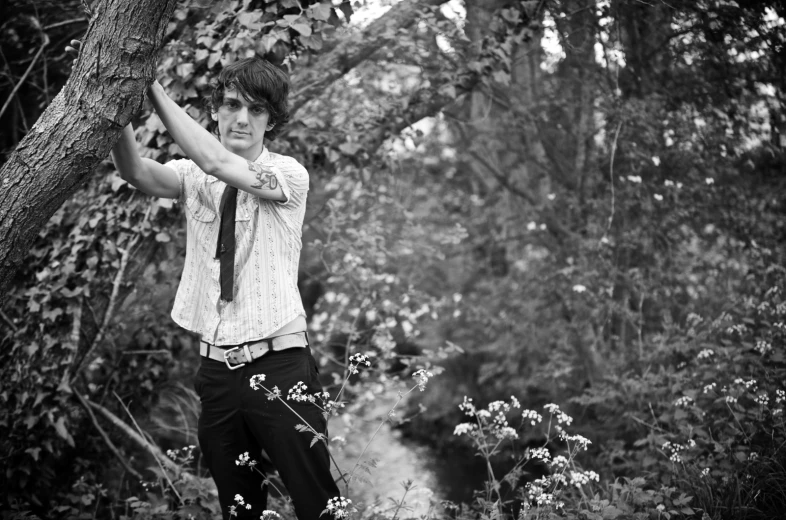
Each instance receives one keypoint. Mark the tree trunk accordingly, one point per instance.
(78, 129)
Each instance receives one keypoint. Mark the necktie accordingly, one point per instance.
(225, 248)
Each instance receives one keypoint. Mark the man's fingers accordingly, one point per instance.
(73, 50)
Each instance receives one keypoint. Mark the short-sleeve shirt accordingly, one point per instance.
(268, 243)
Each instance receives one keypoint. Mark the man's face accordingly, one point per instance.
(242, 124)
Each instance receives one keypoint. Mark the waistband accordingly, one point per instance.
(240, 355)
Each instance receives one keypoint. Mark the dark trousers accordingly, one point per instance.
(236, 419)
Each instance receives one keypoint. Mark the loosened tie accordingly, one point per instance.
(225, 249)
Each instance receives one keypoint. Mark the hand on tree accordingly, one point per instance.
(73, 50)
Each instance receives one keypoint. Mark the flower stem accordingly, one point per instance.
(312, 430)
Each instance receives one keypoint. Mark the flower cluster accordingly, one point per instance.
(705, 354)
(245, 460)
(501, 429)
(240, 502)
(581, 441)
(183, 455)
(674, 449)
(562, 417)
(256, 381)
(683, 402)
(559, 462)
(750, 384)
(421, 377)
(531, 415)
(355, 360)
(359, 359)
(497, 406)
(708, 388)
(762, 399)
(339, 507)
(762, 347)
(537, 493)
(465, 428)
(298, 393)
(267, 514)
(780, 396)
(468, 407)
(737, 329)
(540, 453)
(579, 478)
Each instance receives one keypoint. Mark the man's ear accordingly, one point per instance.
(214, 116)
(270, 126)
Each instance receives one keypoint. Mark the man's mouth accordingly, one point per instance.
(239, 132)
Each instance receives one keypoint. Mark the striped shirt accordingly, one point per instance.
(268, 243)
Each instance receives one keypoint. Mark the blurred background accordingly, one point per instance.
(567, 201)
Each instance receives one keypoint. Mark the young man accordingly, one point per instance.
(238, 289)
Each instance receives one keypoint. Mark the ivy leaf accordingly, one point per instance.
(117, 182)
(50, 315)
(501, 77)
(349, 148)
(268, 41)
(32, 348)
(185, 70)
(33, 453)
(248, 19)
(312, 42)
(448, 90)
(62, 431)
(320, 12)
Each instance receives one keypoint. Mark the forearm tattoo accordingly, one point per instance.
(267, 179)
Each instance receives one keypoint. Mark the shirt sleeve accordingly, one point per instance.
(293, 178)
(181, 167)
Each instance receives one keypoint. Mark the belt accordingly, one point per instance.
(241, 355)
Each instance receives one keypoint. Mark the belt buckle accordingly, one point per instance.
(227, 353)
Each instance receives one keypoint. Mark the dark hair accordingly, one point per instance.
(258, 80)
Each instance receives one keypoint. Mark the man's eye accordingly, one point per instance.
(259, 110)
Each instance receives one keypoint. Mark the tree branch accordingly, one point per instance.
(502, 178)
(106, 438)
(155, 451)
(423, 103)
(24, 76)
(355, 49)
(110, 309)
(134, 436)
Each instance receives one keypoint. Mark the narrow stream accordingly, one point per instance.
(397, 460)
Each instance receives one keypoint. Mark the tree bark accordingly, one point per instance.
(76, 132)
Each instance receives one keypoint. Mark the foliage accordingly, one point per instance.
(577, 225)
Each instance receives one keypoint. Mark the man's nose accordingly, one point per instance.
(242, 116)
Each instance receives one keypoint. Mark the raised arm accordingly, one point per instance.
(144, 174)
(209, 154)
